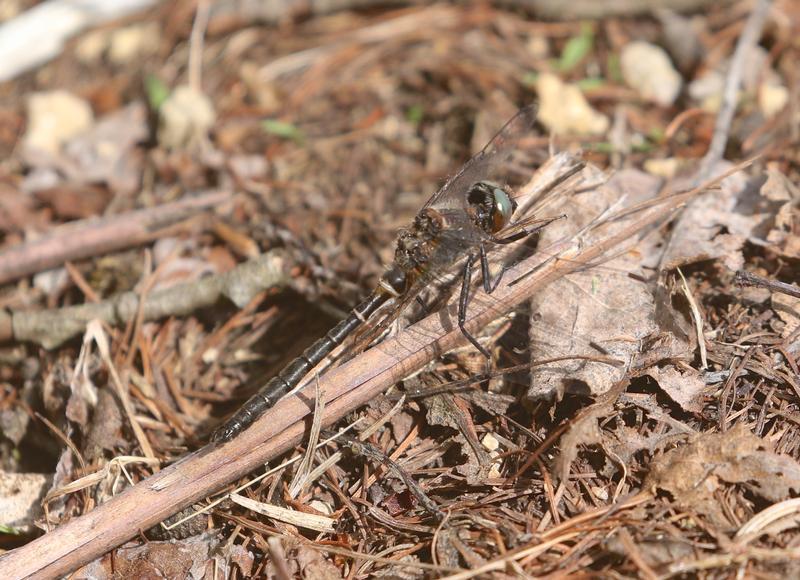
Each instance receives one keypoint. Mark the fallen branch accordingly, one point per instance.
(96, 236)
(50, 328)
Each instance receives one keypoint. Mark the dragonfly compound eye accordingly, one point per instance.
(504, 207)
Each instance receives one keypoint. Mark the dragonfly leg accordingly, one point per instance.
(463, 300)
(515, 237)
(527, 231)
(489, 285)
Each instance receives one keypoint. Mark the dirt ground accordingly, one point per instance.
(193, 192)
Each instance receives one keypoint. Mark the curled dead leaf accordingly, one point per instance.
(685, 388)
(694, 473)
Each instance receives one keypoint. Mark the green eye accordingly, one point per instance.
(503, 206)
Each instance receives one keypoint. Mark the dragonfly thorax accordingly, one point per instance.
(416, 244)
(490, 206)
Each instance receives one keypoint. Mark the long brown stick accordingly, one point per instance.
(348, 387)
(92, 237)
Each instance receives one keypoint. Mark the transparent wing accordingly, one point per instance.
(487, 163)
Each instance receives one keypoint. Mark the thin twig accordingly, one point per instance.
(698, 321)
(367, 450)
(95, 236)
(95, 333)
(730, 97)
(745, 278)
(304, 469)
(196, 42)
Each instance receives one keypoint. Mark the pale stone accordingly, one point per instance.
(127, 44)
(666, 168)
(90, 48)
(185, 118)
(564, 109)
(648, 70)
(53, 119)
(772, 98)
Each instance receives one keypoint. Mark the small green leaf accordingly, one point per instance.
(608, 148)
(656, 135)
(577, 48)
(601, 147)
(642, 147)
(8, 530)
(157, 91)
(530, 78)
(414, 114)
(591, 83)
(283, 129)
(614, 70)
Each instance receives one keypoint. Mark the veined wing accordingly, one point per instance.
(487, 164)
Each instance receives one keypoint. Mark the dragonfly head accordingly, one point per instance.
(491, 206)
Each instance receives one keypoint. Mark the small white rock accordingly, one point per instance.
(321, 507)
(91, 46)
(648, 70)
(134, 41)
(772, 98)
(54, 118)
(490, 442)
(185, 118)
(666, 168)
(600, 493)
(563, 108)
(708, 89)
(538, 47)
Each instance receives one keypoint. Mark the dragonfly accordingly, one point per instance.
(471, 212)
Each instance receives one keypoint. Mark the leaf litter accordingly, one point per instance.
(649, 426)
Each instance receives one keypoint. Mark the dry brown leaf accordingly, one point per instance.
(602, 311)
(20, 499)
(685, 388)
(777, 187)
(583, 431)
(16, 211)
(788, 308)
(694, 473)
(715, 225)
(194, 557)
(782, 238)
(74, 201)
(657, 551)
(105, 153)
(314, 565)
(444, 410)
(243, 558)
